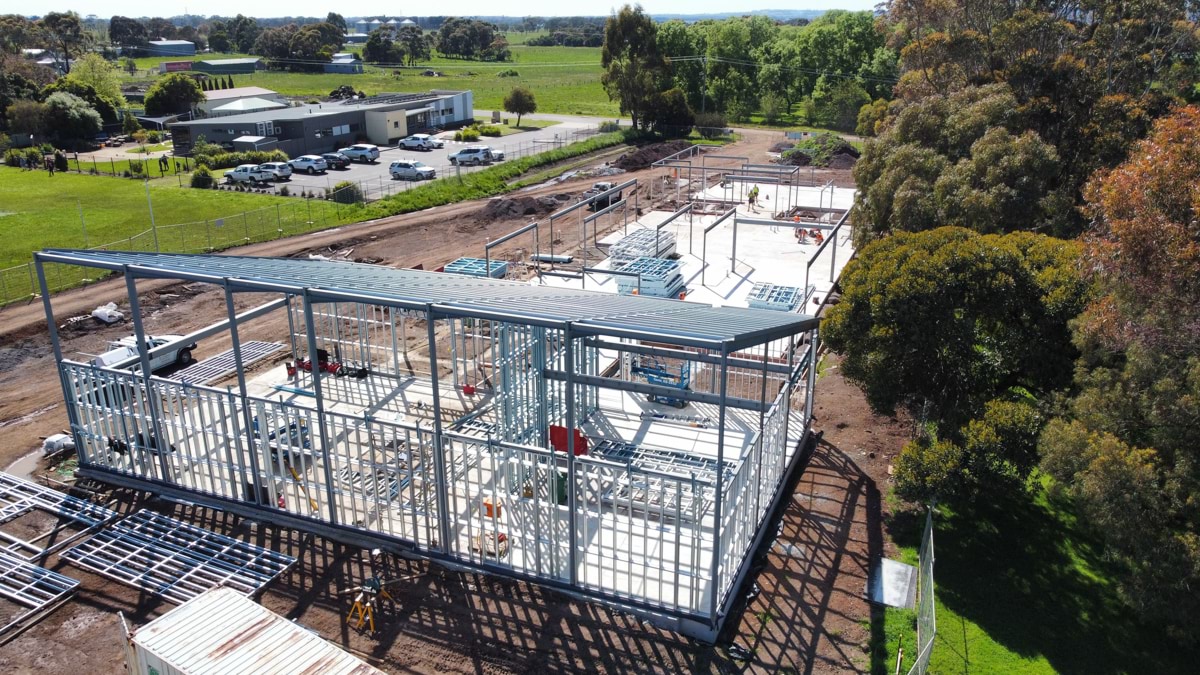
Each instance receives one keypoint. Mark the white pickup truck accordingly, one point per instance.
(249, 173)
(178, 353)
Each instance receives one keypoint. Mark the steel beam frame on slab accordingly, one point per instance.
(616, 273)
(592, 219)
(662, 352)
(583, 204)
(704, 242)
(487, 247)
(655, 389)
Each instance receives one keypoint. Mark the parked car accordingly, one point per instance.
(410, 169)
(277, 170)
(336, 160)
(422, 142)
(361, 152)
(248, 173)
(309, 164)
(178, 352)
(476, 154)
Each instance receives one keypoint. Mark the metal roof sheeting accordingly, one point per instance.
(222, 631)
(588, 312)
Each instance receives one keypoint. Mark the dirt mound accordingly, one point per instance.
(649, 154)
(796, 159)
(843, 160)
(507, 208)
(780, 147)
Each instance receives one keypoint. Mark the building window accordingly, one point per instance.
(354, 127)
(340, 130)
(396, 124)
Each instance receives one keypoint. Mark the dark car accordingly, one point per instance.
(336, 160)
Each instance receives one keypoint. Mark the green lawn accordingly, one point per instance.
(1021, 588)
(565, 80)
(526, 124)
(41, 211)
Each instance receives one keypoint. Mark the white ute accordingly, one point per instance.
(177, 353)
(248, 173)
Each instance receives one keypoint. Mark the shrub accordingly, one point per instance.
(215, 158)
(137, 167)
(154, 137)
(60, 162)
(489, 130)
(46, 149)
(12, 157)
(347, 192)
(609, 127)
(202, 178)
(508, 72)
(5, 142)
(469, 134)
(284, 191)
(711, 125)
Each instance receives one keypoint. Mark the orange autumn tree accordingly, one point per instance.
(1128, 448)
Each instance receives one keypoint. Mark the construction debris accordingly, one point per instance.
(108, 314)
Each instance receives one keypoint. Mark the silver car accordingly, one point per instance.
(309, 164)
(277, 170)
(411, 169)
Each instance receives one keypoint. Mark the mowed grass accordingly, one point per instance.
(564, 80)
(1022, 588)
(39, 211)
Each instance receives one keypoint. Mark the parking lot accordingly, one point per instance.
(376, 181)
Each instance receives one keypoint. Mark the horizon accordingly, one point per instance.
(309, 8)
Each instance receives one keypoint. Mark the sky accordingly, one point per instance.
(135, 8)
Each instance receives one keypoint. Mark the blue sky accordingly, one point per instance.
(106, 8)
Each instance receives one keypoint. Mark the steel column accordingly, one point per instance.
(720, 489)
(439, 461)
(156, 433)
(242, 391)
(569, 358)
(315, 370)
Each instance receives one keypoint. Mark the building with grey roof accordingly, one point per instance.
(322, 127)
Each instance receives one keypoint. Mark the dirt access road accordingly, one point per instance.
(809, 617)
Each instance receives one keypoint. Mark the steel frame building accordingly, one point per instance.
(519, 440)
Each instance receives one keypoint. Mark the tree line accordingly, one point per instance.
(820, 73)
(1025, 287)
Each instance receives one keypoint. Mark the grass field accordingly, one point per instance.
(565, 80)
(40, 211)
(1021, 588)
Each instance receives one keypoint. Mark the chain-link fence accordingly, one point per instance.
(926, 621)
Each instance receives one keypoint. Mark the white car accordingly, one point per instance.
(474, 155)
(277, 170)
(309, 164)
(361, 152)
(177, 352)
(421, 142)
(248, 173)
(411, 169)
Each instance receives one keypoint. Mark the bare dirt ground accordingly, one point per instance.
(810, 615)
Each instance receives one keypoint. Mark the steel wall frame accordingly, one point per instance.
(576, 361)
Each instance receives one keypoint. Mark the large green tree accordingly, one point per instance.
(71, 119)
(102, 76)
(173, 93)
(942, 321)
(633, 66)
(1128, 447)
(102, 105)
(126, 32)
(65, 34)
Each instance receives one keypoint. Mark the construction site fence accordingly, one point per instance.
(926, 618)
